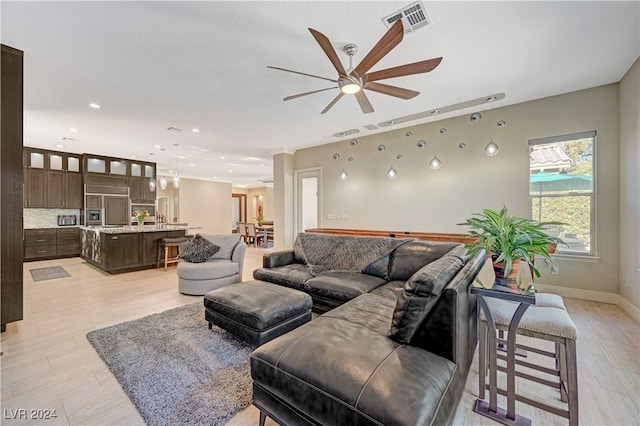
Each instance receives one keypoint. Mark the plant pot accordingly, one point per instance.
(510, 280)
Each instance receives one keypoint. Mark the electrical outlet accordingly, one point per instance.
(555, 270)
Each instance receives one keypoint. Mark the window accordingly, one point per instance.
(561, 188)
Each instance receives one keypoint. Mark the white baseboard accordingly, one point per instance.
(595, 296)
(629, 308)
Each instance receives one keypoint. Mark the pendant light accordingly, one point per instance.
(176, 175)
(435, 163)
(491, 149)
(152, 185)
(163, 182)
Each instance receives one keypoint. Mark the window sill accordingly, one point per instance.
(576, 257)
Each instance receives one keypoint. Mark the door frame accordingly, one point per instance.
(242, 201)
(299, 175)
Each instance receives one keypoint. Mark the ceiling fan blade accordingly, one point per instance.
(328, 49)
(332, 103)
(398, 92)
(391, 39)
(365, 105)
(402, 70)
(301, 73)
(299, 95)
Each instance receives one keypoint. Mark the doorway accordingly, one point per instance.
(308, 199)
(238, 210)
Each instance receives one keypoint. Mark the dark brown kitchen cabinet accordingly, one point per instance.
(68, 242)
(35, 188)
(51, 243)
(52, 179)
(141, 174)
(64, 190)
(11, 190)
(116, 210)
(123, 251)
(39, 243)
(93, 202)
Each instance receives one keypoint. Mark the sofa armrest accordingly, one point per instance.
(278, 258)
(238, 256)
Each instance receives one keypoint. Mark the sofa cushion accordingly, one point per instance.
(198, 250)
(421, 292)
(408, 258)
(342, 286)
(211, 269)
(339, 369)
(293, 275)
(379, 267)
(342, 253)
(226, 242)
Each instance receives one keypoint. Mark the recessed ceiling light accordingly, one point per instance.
(215, 177)
(222, 157)
(73, 130)
(192, 165)
(230, 171)
(182, 157)
(261, 165)
(94, 105)
(58, 145)
(195, 130)
(133, 157)
(157, 146)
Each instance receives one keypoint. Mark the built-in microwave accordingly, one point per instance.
(93, 217)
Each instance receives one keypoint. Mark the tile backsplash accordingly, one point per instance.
(42, 218)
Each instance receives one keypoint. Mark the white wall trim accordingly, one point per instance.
(595, 296)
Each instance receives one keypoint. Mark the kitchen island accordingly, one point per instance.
(125, 248)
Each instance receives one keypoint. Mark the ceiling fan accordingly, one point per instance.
(354, 80)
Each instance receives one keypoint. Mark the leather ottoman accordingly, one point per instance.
(256, 311)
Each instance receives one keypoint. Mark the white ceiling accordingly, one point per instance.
(152, 65)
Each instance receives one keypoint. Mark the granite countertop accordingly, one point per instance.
(51, 226)
(136, 228)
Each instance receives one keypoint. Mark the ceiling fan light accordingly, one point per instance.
(350, 88)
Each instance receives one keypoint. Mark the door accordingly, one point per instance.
(308, 203)
(116, 210)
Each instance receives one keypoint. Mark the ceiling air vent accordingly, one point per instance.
(414, 16)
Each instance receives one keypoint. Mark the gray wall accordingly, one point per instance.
(630, 185)
(421, 199)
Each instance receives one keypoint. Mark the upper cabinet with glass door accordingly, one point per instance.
(34, 158)
(64, 162)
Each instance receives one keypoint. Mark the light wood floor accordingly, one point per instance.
(49, 364)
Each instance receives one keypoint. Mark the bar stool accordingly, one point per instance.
(546, 320)
(164, 245)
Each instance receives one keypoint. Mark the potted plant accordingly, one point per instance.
(510, 239)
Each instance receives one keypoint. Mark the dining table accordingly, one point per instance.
(267, 231)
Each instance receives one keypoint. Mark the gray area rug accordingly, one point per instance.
(48, 273)
(175, 370)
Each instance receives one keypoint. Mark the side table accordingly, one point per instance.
(491, 409)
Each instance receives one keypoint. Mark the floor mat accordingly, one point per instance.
(49, 273)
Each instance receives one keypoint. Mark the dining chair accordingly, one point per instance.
(253, 236)
(242, 230)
